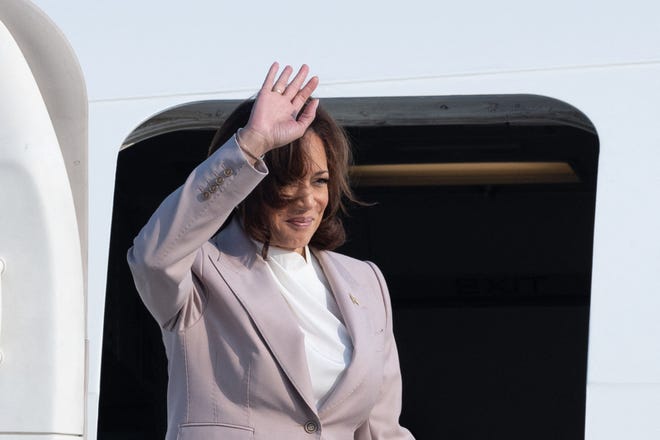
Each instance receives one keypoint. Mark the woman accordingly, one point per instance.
(268, 338)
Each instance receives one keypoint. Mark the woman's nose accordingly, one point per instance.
(305, 197)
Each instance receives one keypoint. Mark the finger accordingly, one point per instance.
(303, 94)
(297, 81)
(280, 84)
(308, 114)
(270, 77)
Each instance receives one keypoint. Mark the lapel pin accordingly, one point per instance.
(354, 299)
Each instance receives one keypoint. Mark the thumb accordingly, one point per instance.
(309, 113)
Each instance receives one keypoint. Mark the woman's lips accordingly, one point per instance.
(300, 222)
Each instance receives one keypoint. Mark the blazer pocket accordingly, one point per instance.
(214, 431)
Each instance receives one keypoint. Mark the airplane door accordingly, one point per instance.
(481, 219)
(42, 201)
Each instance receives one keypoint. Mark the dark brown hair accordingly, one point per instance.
(287, 165)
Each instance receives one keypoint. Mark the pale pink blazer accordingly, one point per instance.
(236, 361)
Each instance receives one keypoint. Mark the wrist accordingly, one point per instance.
(252, 142)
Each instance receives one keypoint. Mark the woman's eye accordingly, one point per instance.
(322, 181)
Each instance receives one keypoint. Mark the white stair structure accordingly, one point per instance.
(43, 160)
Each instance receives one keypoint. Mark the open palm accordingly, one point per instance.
(279, 115)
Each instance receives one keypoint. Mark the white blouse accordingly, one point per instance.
(328, 346)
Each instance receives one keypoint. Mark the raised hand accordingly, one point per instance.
(276, 118)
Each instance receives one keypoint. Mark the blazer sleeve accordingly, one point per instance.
(166, 248)
(383, 421)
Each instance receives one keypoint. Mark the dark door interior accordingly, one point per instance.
(490, 283)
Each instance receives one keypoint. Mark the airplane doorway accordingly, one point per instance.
(489, 275)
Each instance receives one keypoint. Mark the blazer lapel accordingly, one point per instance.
(347, 292)
(249, 278)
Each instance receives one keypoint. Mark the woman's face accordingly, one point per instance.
(293, 226)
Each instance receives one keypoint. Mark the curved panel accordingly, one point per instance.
(60, 80)
(43, 368)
